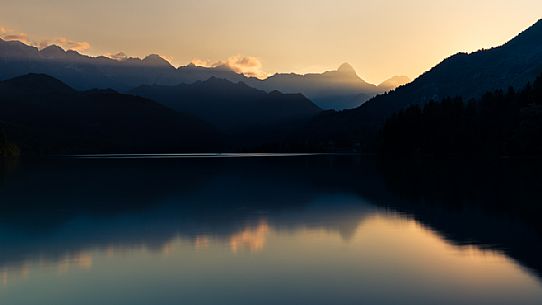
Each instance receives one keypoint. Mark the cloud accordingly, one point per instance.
(249, 66)
(120, 56)
(65, 43)
(201, 62)
(22, 37)
(246, 65)
(9, 34)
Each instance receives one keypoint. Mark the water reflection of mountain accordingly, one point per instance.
(491, 204)
(64, 207)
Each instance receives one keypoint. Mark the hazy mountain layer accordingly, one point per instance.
(341, 89)
(232, 107)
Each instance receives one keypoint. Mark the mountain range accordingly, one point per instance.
(45, 116)
(338, 90)
(231, 107)
(465, 75)
(513, 64)
(187, 108)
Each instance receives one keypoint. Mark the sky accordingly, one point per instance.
(379, 38)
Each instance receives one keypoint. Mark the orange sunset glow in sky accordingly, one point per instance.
(379, 38)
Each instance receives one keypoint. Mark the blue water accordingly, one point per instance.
(299, 229)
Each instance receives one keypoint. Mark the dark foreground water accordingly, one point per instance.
(270, 230)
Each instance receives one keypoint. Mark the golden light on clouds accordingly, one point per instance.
(9, 34)
(379, 38)
(117, 56)
(246, 65)
(65, 43)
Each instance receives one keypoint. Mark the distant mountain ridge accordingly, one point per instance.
(84, 72)
(514, 64)
(231, 107)
(242, 112)
(340, 89)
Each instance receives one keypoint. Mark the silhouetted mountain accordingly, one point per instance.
(85, 72)
(465, 75)
(43, 115)
(341, 89)
(155, 60)
(191, 73)
(499, 124)
(232, 107)
(53, 52)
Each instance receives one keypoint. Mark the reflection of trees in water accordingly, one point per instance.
(74, 246)
(7, 167)
(494, 204)
(133, 203)
(7, 149)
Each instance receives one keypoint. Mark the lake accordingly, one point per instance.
(268, 229)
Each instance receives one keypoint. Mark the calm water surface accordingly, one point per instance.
(264, 230)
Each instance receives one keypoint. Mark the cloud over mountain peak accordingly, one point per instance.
(9, 34)
(246, 65)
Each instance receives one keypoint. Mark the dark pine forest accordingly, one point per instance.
(500, 123)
